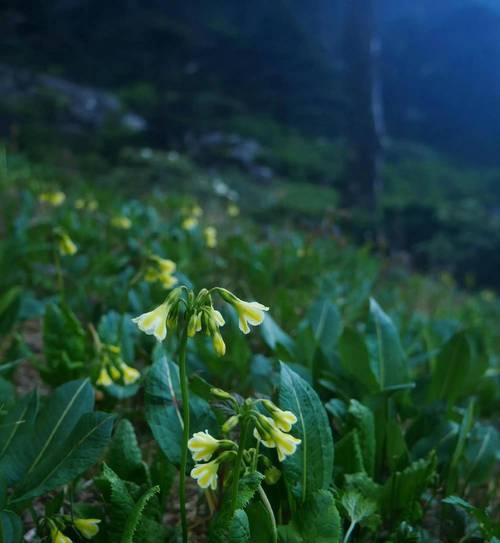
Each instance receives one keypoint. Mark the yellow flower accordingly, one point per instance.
(165, 264)
(189, 223)
(233, 210)
(197, 211)
(122, 222)
(248, 312)
(66, 245)
(284, 420)
(154, 322)
(88, 527)
(53, 198)
(218, 343)
(59, 537)
(202, 446)
(80, 203)
(273, 437)
(206, 474)
(194, 324)
(92, 205)
(167, 280)
(210, 237)
(104, 379)
(162, 271)
(130, 374)
(115, 373)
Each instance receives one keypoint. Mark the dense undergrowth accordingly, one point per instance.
(392, 377)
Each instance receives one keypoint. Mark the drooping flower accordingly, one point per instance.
(88, 527)
(248, 312)
(210, 234)
(104, 379)
(161, 269)
(218, 343)
(194, 324)
(55, 198)
(154, 322)
(67, 247)
(272, 437)
(121, 222)
(202, 446)
(189, 223)
(233, 210)
(58, 537)
(284, 420)
(206, 474)
(130, 374)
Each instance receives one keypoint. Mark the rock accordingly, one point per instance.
(87, 107)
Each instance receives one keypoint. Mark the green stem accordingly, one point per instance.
(269, 509)
(237, 466)
(349, 531)
(185, 432)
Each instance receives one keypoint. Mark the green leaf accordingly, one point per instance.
(310, 468)
(247, 487)
(70, 458)
(401, 492)
(136, 514)
(451, 370)
(360, 509)
(54, 423)
(116, 329)
(391, 365)
(124, 455)
(361, 418)
(10, 302)
(355, 359)
(276, 339)
(239, 529)
(11, 528)
(326, 324)
(19, 415)
(485, 523)
(318, 520)
(162, 400)
(65, 346)
(348, 453)
(465, 428)
(261, 525)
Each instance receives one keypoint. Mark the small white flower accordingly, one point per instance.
(202, 446)
(248, 312)
(154, 322)
(206, 474)
(284, 443)
(284, 420)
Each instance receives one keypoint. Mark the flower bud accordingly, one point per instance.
(230, 423)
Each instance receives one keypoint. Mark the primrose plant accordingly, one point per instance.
(189, 313)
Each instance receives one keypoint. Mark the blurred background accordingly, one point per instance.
(378, 120)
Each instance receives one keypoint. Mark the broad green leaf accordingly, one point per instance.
(465, 427)
(21, 414)
(70, 458)
(481, 453)
(276, 339)
(239, 528)
(117, 329)
(326, 324)
(11, 528)
(451, 370)
(310, 468)
(136, 515)
(54, 423)
(163, 401)
(391, 365)
(360, 509)
(10, 302)
(318, 520)
(486, 524)
(261, 524)
(355, 358)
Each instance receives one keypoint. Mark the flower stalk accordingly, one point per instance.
(185, 431)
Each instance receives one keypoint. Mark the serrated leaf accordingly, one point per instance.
(348, 454)
(310, 468)
(124, 455)
(360, 509)
(136, 514)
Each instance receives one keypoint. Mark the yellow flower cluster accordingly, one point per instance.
(161, 270)
(90, 205)
(66, 245)
(114, 369)
(87, 527)
(191, 221)
(202, 316)
(121, 222)
(55, 198)
(210, 234)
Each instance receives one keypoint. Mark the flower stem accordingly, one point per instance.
(349, 531)
(269, 509)
(237, 466)
(185, 433)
